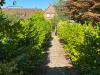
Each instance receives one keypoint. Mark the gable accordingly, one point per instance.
(50, 10)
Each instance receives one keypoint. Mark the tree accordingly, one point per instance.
(2, 2)
(82, 10)
(57, 4)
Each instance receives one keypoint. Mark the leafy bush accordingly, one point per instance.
(22, 44)
(82, 43)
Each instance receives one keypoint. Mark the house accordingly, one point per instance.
(50, 12)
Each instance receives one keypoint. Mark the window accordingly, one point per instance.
(48, 15)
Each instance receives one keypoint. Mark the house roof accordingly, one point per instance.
(50, 10)
(21, 11)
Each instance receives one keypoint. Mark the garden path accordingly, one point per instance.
(56, 63)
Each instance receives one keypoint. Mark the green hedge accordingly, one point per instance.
(82, 42)
(22, 44)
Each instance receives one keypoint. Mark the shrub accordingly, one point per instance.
(22, 44)
(82, 44)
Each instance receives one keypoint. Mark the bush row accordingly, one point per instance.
(22, 44)
(82, 42)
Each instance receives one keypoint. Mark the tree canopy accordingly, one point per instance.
(2, 2)
(81, 10)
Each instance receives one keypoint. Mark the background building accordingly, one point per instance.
(49, 12)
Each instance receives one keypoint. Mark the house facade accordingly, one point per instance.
(50, 12)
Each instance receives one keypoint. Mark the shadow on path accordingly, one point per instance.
(58, 71)
(55, 62)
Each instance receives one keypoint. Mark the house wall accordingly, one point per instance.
(49, 15)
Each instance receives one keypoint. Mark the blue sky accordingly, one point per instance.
(30, 3)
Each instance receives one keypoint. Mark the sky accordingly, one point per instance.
(41, 4)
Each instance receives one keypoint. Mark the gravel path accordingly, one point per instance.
(57, 63)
